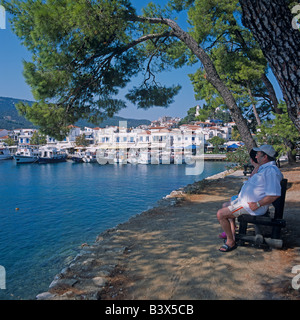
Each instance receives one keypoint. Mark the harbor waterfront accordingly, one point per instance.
(50, 210)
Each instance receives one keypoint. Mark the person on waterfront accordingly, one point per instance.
(255, 196)
(254, 163)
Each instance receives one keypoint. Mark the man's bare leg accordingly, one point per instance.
(232, 221)
(223, 216)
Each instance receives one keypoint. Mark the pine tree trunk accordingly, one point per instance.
(291, 147)
(271, 24)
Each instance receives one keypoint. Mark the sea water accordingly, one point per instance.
(48, 210)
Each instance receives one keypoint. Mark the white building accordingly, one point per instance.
(24, 135)
(104, 136)
(155, 137)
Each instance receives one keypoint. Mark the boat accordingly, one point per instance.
(105, 156)
(120, 157)
(27, 154)
(133, 157)
(4, 153)
(51, 155)
(77, 156)
(90, 156)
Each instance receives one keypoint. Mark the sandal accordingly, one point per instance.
(227, 248)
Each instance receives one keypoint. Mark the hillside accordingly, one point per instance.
(10, 118)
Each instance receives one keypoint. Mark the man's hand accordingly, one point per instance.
(267, 200)
(253, 206)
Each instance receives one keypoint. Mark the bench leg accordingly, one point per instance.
(276, 231)
(243, 227)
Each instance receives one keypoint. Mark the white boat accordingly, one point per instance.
(4, 153)
(133, 157)
(27, 154)
(77, 156)
(105, 156)
(90, 156)
(120, 157)
(51, 155)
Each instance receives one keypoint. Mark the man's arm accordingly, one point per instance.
(267, 200)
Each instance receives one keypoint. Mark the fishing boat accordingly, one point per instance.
(27, 154)
(4, 153)
(50, 154)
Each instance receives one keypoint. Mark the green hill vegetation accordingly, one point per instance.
(10, 118)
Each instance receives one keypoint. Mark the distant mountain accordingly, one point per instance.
(10, 118)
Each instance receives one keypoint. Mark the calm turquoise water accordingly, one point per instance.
(64, 205)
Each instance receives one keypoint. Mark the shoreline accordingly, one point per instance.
(114, 267)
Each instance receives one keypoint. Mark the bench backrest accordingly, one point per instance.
(279, 202)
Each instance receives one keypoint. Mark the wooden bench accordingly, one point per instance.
(276, 222)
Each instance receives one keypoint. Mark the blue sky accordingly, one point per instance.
(12, 83)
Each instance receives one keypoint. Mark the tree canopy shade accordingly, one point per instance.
(81, 55)
(84, 51)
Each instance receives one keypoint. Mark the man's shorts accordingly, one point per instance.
(237, 209)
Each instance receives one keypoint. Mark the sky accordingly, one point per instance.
(13, 85)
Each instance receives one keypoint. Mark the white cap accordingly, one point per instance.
(266, 148)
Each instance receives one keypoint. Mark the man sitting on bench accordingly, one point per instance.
(256, 194)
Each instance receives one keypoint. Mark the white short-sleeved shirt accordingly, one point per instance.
(266, 182)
